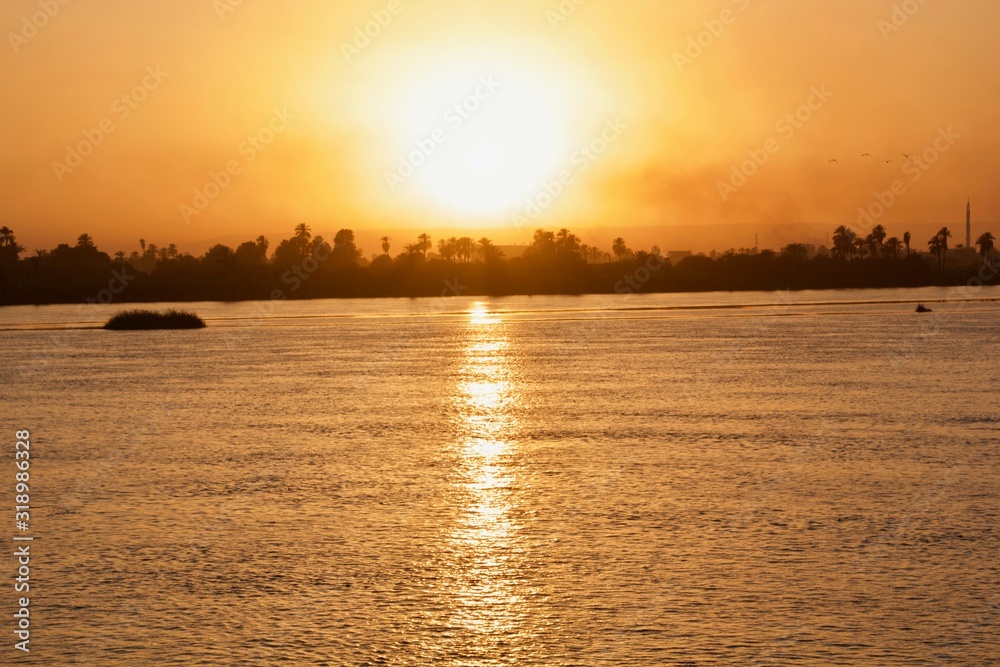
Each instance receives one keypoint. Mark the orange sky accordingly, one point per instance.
(310, 128)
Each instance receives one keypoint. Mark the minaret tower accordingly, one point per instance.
(968, 223)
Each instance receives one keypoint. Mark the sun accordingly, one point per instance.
(479, 138)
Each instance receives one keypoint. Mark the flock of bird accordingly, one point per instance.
(836, 161)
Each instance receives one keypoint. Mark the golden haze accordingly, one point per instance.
(351, 118)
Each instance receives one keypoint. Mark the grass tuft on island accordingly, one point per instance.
(138, 320)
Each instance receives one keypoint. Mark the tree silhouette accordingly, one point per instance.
(795, 250)
(620, 249)
(860, 243)
(303, 232)
(424, 244)
(938, 246)
(843, 242)
(385, 245)
(986, 242)
(447, 248)
(491, 253)
(464, 249)
(892, 247)
(10, 249)
(906, 242)
(878, 233)
(553, 264)
(942, 236)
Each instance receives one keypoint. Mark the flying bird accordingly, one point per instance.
(906, 155)
(866, 155)
(888, 161)
(832, 161)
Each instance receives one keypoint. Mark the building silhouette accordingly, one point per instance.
(968, 223)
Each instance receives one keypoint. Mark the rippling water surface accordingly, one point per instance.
(808, 478)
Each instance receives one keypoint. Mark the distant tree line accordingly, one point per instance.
(306, 266)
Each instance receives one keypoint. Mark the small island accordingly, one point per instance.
(136, 320)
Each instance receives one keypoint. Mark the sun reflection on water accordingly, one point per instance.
(487, 596)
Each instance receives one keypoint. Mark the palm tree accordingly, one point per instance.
(142, 244)
(985, 243)
(385, 245)
(303, 232)
(120, 255)
(843, 242)
(464, 248)
(424, 243)
(6, 237)
(891, 247)
(944, 233)
(860, 243)
(906, 241)
(873, 245)
(619, 248)
(85, 241)
(938, 246)
(879, 234)
(447, 248)
(172, 251)
(491, 253)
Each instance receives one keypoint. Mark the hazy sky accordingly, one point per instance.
(644, 110)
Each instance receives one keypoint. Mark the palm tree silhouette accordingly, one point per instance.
(385, 245)
(303, 232)
(6, 236)
(985, 242)
(447, 248)
(620, 249)
(860, 243)
(879, 234)
(944, 234)
(906, 241)
(464, 248)
(491, 253)
(938, 246)
(892, 247)
(424, 243)
(843, 242)
(85, 241)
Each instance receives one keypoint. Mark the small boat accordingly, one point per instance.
(921, 308)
